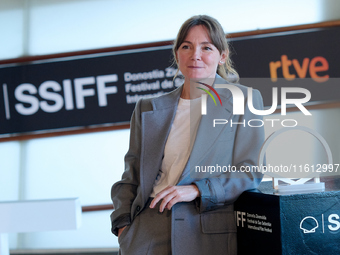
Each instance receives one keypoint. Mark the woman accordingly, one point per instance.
(163, 205)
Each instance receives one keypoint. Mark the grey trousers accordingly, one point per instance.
(149, 233)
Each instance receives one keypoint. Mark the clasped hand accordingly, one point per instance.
(175, 194)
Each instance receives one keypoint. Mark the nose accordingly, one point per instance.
(196, 54)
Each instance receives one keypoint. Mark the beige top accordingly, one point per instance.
(179, 143)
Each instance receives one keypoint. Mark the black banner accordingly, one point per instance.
(92, 90)
(308, 59)
(103, 88)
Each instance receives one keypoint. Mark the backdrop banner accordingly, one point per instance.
(102, 89)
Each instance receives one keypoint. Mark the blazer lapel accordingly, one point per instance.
(155, 129)
(207, 135)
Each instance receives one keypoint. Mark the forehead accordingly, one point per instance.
(198, 33)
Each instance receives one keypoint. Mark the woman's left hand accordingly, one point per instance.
(175, 194)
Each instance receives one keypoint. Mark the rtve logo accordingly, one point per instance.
(316, 67)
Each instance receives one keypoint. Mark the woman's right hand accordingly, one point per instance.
(120, 230)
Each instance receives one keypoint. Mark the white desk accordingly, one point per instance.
(37, 215)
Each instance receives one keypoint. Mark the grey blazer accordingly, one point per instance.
(225, 145)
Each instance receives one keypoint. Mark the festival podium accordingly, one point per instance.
(305, 223)
(37, 215)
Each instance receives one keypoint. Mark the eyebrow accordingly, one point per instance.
(200, 43)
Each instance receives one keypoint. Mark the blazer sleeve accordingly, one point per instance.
(216, 192)
(124, 191)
